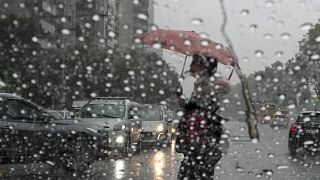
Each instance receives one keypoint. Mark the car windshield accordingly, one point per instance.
(103, 111)
(151, 115)
(306, 117)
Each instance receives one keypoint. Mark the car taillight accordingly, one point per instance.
(294, 128)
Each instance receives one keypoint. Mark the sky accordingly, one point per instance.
(262, 31)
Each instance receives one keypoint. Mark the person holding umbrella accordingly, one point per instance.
(200, 130)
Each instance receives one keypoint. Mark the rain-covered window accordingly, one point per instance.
(159, 89)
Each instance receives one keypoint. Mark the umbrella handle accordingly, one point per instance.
(231, 74)
(184, 64)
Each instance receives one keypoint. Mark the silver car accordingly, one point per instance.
(120, 117)
(155, 127)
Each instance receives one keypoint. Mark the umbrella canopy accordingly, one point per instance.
(188, 43)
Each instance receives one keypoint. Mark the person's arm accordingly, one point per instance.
(181, 98)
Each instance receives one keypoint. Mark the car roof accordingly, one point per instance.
(11, 96)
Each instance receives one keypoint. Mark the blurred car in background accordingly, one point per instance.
(29, 133)
(120, 118)
(304, 133)
(155, 126)
(280, 120)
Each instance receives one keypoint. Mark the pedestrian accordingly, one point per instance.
(200, 129)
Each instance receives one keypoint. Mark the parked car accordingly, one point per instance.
(304, 133)
(155, 126)
(29, 133)
(280, 120)
(119, 116)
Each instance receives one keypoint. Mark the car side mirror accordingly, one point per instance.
(45, 117)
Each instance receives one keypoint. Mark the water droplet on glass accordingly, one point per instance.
(253, 27)
(187, 42)
(269, 3)
(35, 39)
(93, 94)
(96, 17)
(111, 34)
(65, 31)
(279, 53)
(63, 19)
(315, 57)
(196, 21)
(180, 113)
(142, 16)
(317, 39)
(259, 53)
(268, 36)
(306, 26)
(244, 12)
(285, 36)
(205, 43)
(156, 45)
(282, 167)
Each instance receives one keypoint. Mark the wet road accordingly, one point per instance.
(245, 160)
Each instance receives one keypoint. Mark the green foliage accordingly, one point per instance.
(56, 77)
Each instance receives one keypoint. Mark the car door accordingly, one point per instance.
(26, 126)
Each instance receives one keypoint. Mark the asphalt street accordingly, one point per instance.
(246, 160)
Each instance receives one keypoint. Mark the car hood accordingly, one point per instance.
(149, 126)
(103, 122)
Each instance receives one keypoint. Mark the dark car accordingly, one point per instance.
(304, 133)
(280, 120)
(28, 133)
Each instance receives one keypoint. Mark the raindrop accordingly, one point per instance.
(308, 142)
(258, 78)
(268, 36)
(253, 27)
(258, 151)
(270, 155)
(285, 36)
(81, 38)
(111, 34)
(279, 53)
(96, 17)
(180, 113)
(315, 57)
(306, 26)
(259, 53)
(159, 63)
(127, 89)
(282, 167)
(156, 45)
(205, 43)
(35, 39)
(317, 39)
(297, 68)
(282, 97)
(269, 172)
(196, 21)
(245, 59)
(65, 31)
(142, 16)
(161, 92)
(280, 23)
(63, 19)
(93, 94)
(15, 75)
(244, 12)
(131, 73)
(187, 42)
(269, 3)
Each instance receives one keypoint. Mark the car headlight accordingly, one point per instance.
(119, 127)
(160, 128)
